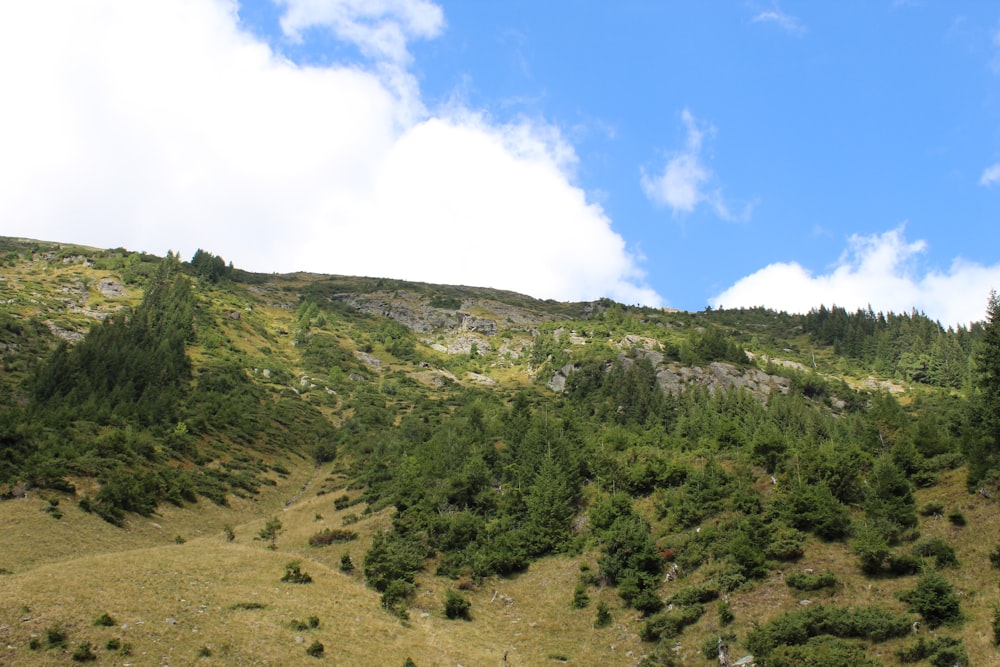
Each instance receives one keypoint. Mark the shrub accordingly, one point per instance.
(580, 597)
(55, 636)
(456, 607)
(603, 615)
(84, 653)
(932, 508)
(297, 625)
(204, 652)
(668, 624)
(346, 564)
(941, 551)
(726, 615)
(295, 575)
(941, 652)
(811, 582)
(113, 644)
(341, 502)
(904, 564)
(105, 621)
(798, 627)
(995, 557)
(269, 533)
(956, 517)
(34, 643)
(691, 595)
(395, 595)
(871, 548)
(250, 606)
(313, 622)
(822, 652)
(328, 536)
(228, 531)
(934, 599)
(315, 649)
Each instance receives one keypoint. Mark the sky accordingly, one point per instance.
(669, 154)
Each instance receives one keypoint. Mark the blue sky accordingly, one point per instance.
(666, 153)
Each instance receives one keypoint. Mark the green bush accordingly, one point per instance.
(726, 615)
(811, 582)
(84, 653)
(105, 621)
(295, 575)
(456, 607)
(328, 536)
(603, 619)
(934, 599)
(55, 636)
(942, 552)
(315, 649)
(956, 518)
(995, 557)
(669, 624)
(580, 597)
(346, 564)
(822, 651)
(795, 628)
(940, 652)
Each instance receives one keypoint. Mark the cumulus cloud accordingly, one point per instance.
(161, 126)
(882, 271)
(685, 180)
(991, 175)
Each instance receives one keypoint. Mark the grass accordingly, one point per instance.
(173, 601)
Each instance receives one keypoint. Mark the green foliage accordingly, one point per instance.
(603, 619)
(982, 435)
(456, 607)
(871, 548)
(84, 652)
(939, 651)
(726, 615)
(328, 536)
(669, 624)
(804, 581)
(934, 599)
(295, 575)
(105, 620)
(796, 628)
(936, 548)
(316, 649)
(346, 564)
(55, 636)
(580, 597)
(269, 533)
(822, 651)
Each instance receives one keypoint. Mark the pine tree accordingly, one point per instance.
(982, 445)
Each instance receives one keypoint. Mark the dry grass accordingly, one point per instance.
(172, 601)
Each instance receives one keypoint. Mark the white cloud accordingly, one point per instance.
(991, 175)
(161, 126)
(784, 21)
(880, 270)
(380, 28)
(685, 180)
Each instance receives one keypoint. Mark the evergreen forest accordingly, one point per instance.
(695, 487)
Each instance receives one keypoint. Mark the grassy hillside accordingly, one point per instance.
(605, 485)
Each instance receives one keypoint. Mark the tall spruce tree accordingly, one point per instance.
(982, 438)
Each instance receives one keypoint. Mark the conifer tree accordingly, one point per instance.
(982, 440)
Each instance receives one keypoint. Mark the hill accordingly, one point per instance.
(471, 476)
